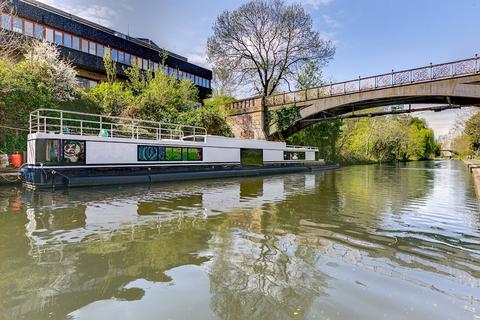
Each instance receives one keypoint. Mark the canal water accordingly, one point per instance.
(364, 242)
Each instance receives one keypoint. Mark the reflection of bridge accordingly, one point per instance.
(454, 84)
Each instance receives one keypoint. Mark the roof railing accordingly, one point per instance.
(87, 124)
(302, 147)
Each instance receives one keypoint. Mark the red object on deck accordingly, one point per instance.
(16, 159)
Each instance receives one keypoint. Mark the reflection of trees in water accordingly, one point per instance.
(58, 278)
(255, 276)
(266, 256)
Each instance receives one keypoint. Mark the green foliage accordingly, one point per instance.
(160, 98)
(40, 80)
(461, 145)
(472, 130)
(310, 76)
(323, 135)
(163, 99)
(110, 66)
(380, 139)
(211, 116)
(112, 98)
(386, 139)
(285, 117)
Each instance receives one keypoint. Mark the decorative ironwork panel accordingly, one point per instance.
(384, 80)
(401, 77)
(352, 86)
(300, 96)
(338, 88)
(367, 83)
(421, 74)
(324, 91)
(441, 71)
(289, 98)
(464, 67)
(312, 94)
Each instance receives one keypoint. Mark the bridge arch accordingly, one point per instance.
(453, 84)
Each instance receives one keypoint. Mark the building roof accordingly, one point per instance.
(140, 41)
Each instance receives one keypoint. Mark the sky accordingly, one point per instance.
(371, 36)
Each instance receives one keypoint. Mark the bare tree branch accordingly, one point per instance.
(264, 42)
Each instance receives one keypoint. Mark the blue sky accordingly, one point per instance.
(371, 36)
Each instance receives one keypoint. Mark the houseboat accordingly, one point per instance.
(70, 149)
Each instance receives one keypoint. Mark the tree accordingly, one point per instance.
(472, 130)
(264, 42)
(40, 80)
(310, 76)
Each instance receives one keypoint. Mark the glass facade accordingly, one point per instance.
(28, 28)
(67, 40)
(6, 22)
(61, 38)
(58, 38)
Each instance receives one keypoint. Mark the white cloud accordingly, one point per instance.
(198, 56)
(316, 3)
(95, 13)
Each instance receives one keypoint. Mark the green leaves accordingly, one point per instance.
(472, 130)
(285, 117)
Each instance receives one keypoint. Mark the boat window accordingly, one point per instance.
(47, 151)
(161, 153)
(73, 152)
(194, 154)
(293, 155)
(251, 157)
(173, 154)
(147, 153)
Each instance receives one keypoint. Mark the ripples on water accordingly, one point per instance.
(364, 242)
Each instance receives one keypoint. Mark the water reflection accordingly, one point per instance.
(363, 242)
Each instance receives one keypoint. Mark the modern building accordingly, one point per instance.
(85, 43)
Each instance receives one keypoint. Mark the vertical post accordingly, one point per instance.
(431, 71)
(81, 127)
(101, 124)
(45, 125)
(159, 131)
(283, 102)
(476, 63)
(376, 82)
(111, 130)
(318, 92)
(359, 85)
(393, 83)
(331, 88)
(38, 121)
(344, 87)
(61, 122)
(30, 122)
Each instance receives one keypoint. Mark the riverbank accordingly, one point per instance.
(474, 168)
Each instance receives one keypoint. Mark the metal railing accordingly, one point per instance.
(87, 124)
(302, 147)
(428, 73)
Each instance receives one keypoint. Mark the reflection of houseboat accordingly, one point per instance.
(78, 149)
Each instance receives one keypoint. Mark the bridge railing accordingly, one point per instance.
(395, 78)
